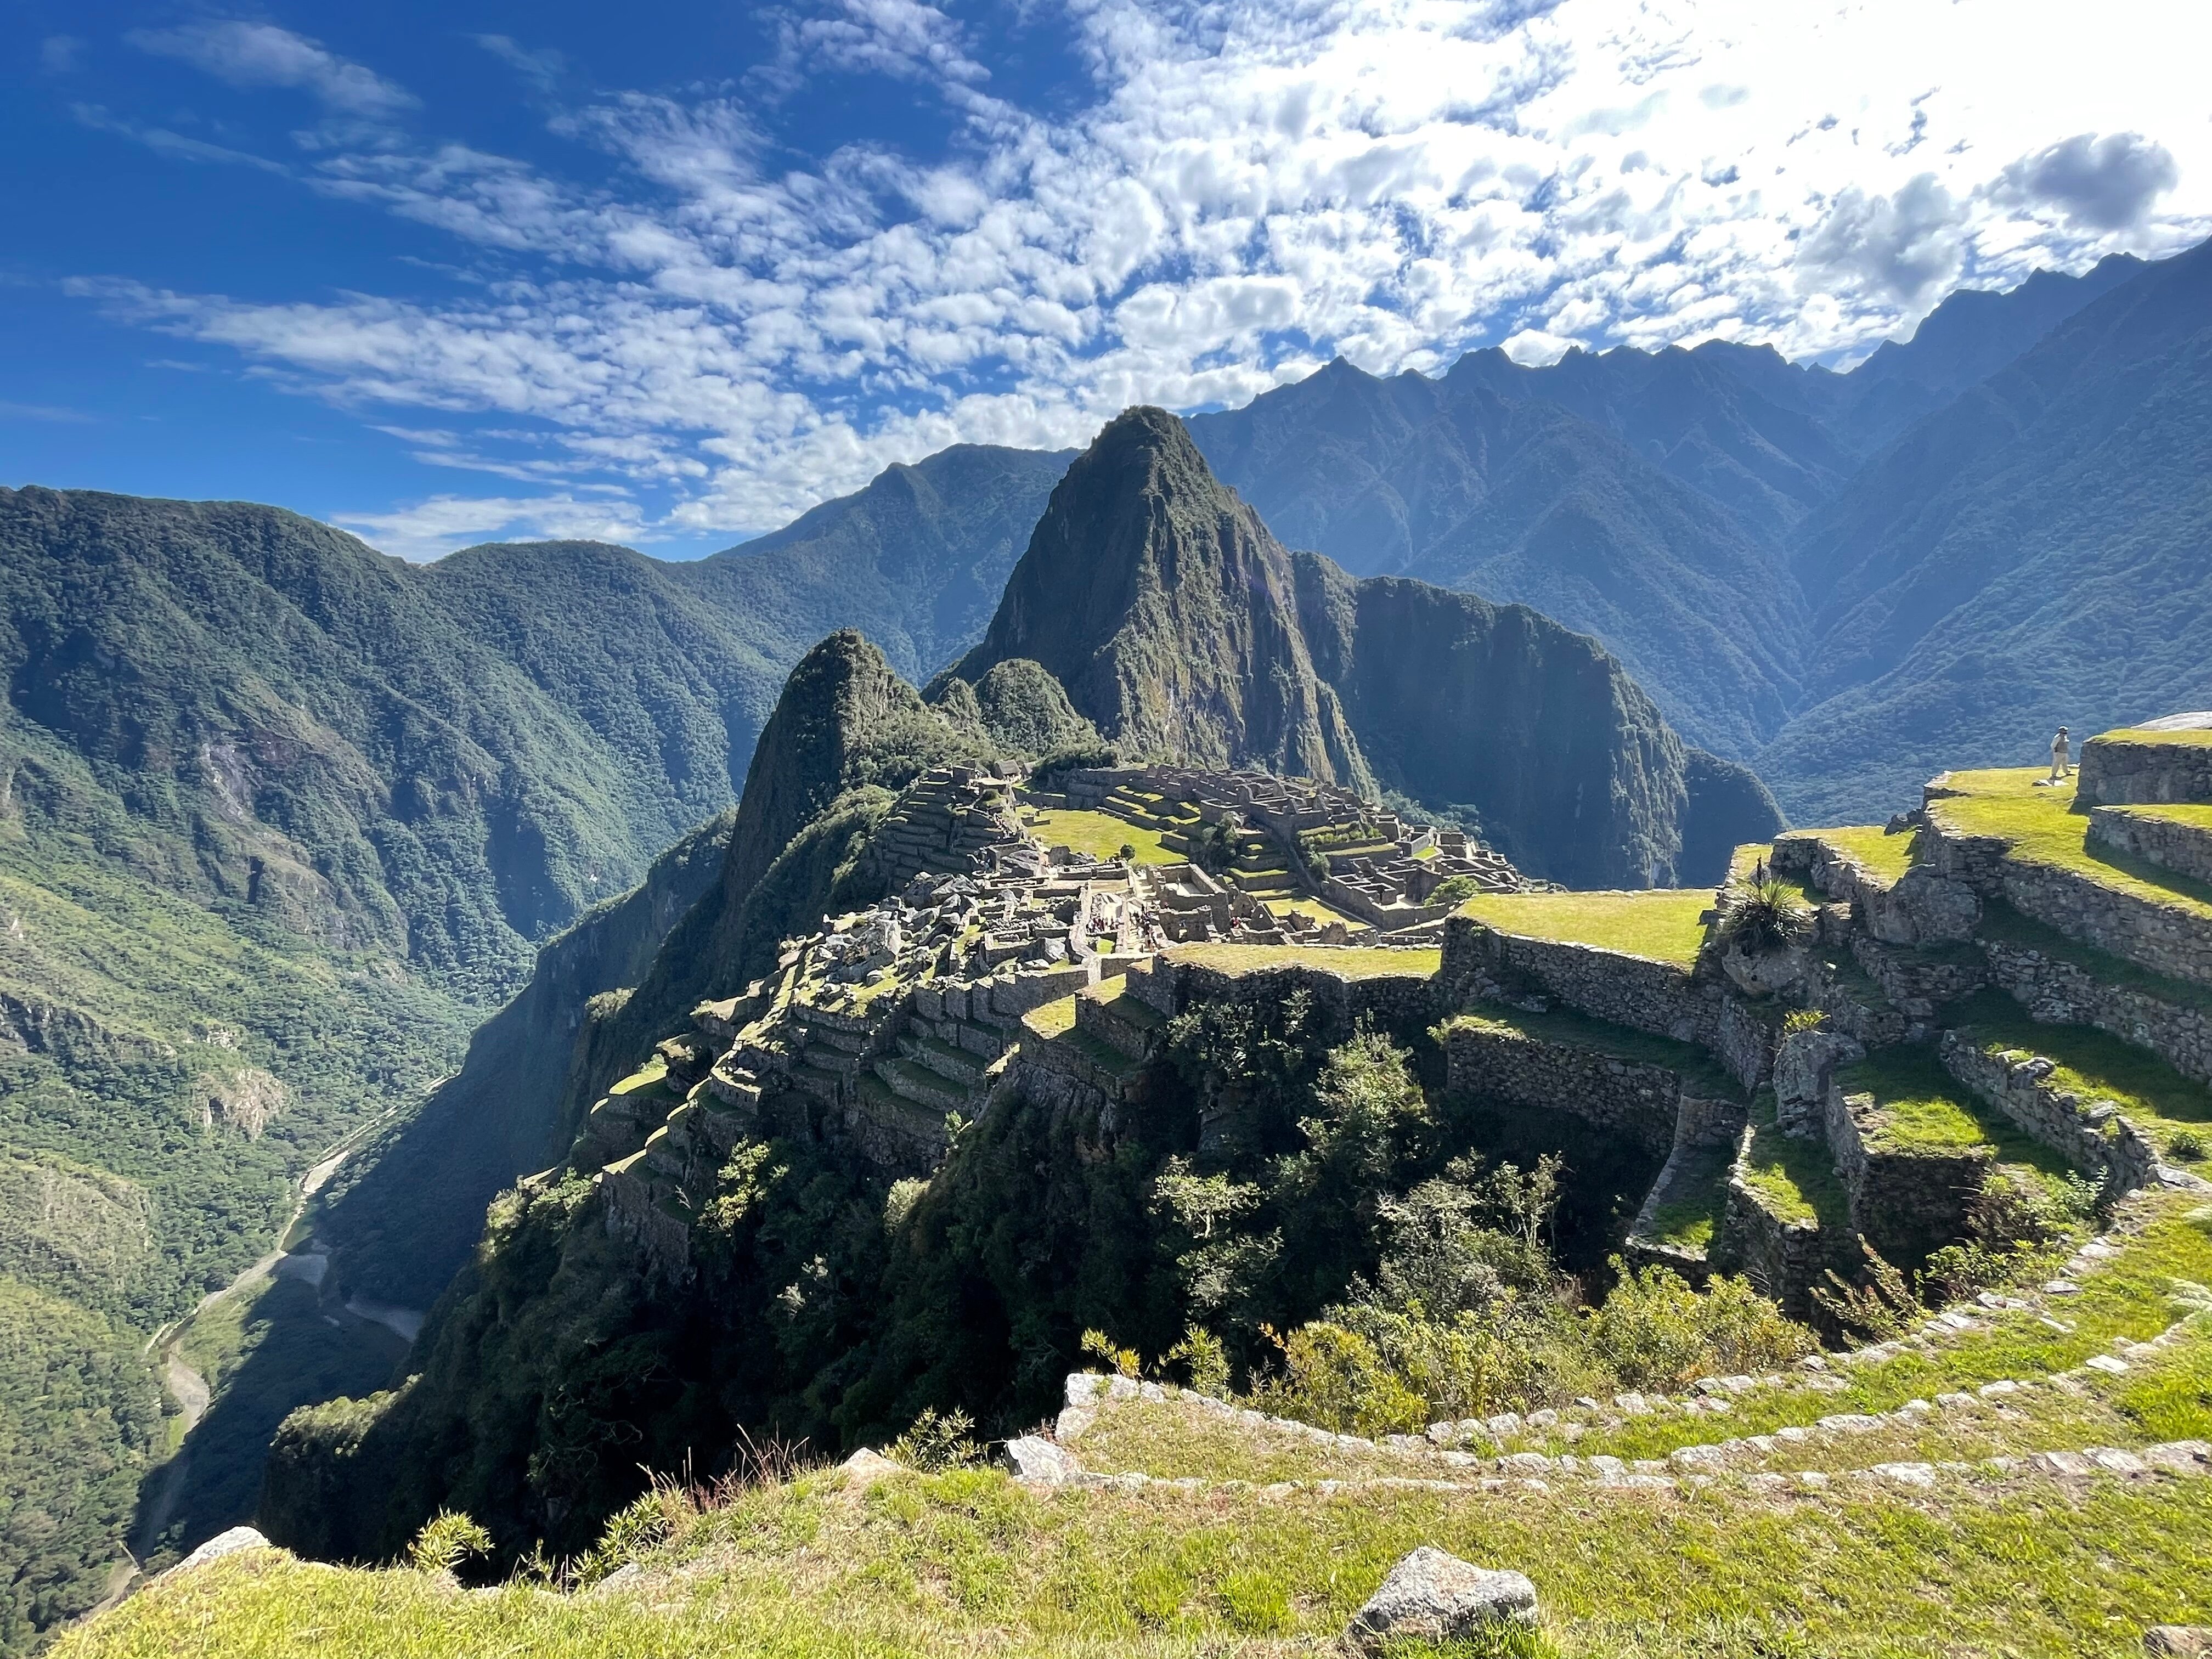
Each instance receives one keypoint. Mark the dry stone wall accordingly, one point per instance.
(1642, 1102)
(2183, 849)
(1783, 1259)
(2056, 991)
(1905, 1203)
(1655, 997)
(2093, 1135)
(2164, 938)
(2115, 771)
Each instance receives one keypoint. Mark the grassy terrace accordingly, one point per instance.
(1886, 854)
(1930, 1112)
(1101, 835)
(1795, 1179)
(1348, 962)
(2196, 817)
(2163, 1104)
(968, 1562)
(2005, 924)
(1693, 1218)
(1661, 923)
(2041, 827)
(1696, 1069)
(2200, 739)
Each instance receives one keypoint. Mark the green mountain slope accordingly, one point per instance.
(1181, 627)
(2034, 554)
(281, 819)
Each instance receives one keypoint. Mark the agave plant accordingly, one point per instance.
(1765, 914)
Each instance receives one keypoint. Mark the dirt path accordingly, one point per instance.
(191, 1390)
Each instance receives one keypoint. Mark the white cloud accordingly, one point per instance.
(1252, 189)
(443, 524)
(2104, 184)
(263, 55)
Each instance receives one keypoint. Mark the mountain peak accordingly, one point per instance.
(1163, 605)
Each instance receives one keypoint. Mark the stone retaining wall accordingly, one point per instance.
(2183, 849)
(1905, 1204)
(1919, 981)
(1783, 1260)
(1655, 997)
(1389, 999)
(2090, 1134)
(2057, 992)
(2164, 938)
(2115, 771)
(1642, 1102)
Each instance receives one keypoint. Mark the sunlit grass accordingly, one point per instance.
(1662, 923)
(1099, 835)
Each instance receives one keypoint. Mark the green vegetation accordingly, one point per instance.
(1100, 834)
(1926, 1110)
(1698, 1071)
(1345, 961)
(2197, 737)
(2039, 826)
(1664, 924)
(1692, 1219)
(1795, 1178)
(2001, 923)
(2160, 1101)
(1887, 856)
(79, 1417)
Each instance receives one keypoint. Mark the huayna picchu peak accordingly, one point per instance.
(1182, 629)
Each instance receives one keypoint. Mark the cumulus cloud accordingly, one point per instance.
(1907, 247)
(732, 330)
(2104, 184)
(443, 524)
(263, 55)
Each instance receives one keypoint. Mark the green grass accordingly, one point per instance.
(1345, 961)
(2198, 739)
(1698, 1071)
(1694, 1220)
(2096, 1065)
(968, 1563)
(1928, 1111)
(1054, 1018)
(1794, 1179)
(1662, 924)
(2198, 816)
(1100, 834)
(2007, 926)
(1885, 855)
(2040, 827)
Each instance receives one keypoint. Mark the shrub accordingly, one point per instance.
(1335, 1379)
(1803, 1019)
(1763, 914)
(935, 1444)
(1455, 890)
(2186, 1146)
(446, 1539)
(1206, 1357)
(1655, 1332)
(1879, 1306)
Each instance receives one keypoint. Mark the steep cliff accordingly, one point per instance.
(404, 1212)
(1182, 627)
(1167, 611)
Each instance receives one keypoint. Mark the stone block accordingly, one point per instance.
(1431, 1597)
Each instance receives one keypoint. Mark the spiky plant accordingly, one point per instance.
(1765, 914)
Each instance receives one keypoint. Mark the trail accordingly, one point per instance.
(191, 1390)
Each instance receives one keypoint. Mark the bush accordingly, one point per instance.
(1655, 1332)
(1803, 1019)
(2186, 1146)
(935, 1444)
(448, 1539)
(1763, 914)
(1336, 1379)
(1455, 890)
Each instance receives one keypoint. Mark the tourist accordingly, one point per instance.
(2061, 766)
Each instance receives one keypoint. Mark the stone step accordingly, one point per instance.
(921, 1085)
(955, 1065)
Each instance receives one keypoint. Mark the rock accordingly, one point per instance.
(2177, 1639)
(1084, 1387)
(1804, 1064)
(624, 1578)
(1037, 1462)
(222, 1544)
(1072, 1421)
(1924, 907)
(1434, 1597)
(865, 1467)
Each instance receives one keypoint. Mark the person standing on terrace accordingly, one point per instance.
(2062, 767)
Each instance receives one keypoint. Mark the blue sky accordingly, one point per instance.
(669, 274)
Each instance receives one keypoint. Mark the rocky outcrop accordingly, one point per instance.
(1182, 627)
(1170, 613)
(1432, 1597)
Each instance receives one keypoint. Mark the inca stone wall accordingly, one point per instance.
(1904, 1203)
(1642, 1102)
(2057, 993)
(1783, 1259)
(2183, 849)
(2163, 937)
(2115, 771)
(2090, 1134)
(1655, 997)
